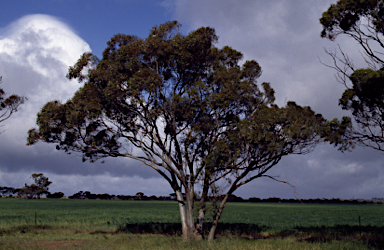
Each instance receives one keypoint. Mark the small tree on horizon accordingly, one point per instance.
(40, 187)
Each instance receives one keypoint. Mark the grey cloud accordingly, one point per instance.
(284, 37)
(322, 174)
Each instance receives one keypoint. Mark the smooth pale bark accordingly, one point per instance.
(186, 216)
(183, 215)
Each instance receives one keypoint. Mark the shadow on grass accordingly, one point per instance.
(24, 229)
(373, 236)
(175, 228)
(342, 230)
(151, 228)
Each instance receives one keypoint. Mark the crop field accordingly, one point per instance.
(116, 224)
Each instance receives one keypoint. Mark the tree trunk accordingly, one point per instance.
(190, 217)
(200, 218)
(211, 235)
(202, 208)
(186, 216)
(183, 215)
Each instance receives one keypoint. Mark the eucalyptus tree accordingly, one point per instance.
(184, 108)
(363, 21)
(37, 189)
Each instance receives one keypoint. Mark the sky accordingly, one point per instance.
(40, 39)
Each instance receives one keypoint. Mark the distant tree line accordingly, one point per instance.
(40, 188)
(314, 201)
(138, 196)
(33, 191)
(21, 193)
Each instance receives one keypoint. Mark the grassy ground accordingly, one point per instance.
(99, 224)
(58, 239)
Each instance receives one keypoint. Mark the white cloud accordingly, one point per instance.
(35, 53)
(41, 35)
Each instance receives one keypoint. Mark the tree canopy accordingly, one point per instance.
(362, 20)
(8, 104)
(185, 108)
(37, 189)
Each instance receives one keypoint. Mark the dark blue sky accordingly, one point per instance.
(96, 21)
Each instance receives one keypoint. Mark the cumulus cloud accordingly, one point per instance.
(35, 53)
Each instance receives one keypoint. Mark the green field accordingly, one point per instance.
(116, 224)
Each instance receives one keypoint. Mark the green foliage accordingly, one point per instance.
(9, 104)
(365, 100)
(362, 20)
(40, 187)
(196, 114)
(346, 15)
